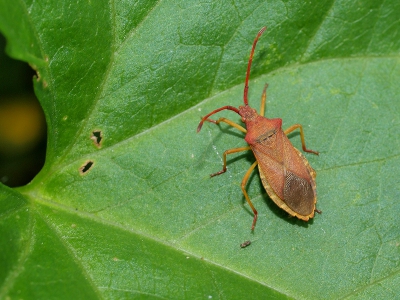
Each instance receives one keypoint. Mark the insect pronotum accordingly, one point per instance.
(285, 173)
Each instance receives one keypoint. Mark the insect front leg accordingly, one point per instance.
(227, 121)
(244, 182)
(263, 100)
(303, 143)
(230, 151)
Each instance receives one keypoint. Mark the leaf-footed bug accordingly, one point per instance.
(285, 173)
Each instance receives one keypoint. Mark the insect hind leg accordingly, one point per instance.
(243, 185)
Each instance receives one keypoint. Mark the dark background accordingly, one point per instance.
(22, 123)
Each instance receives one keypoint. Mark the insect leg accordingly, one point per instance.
(225, 120)
(303, 143)
(230, 151)
(263, 100)
(244, 182)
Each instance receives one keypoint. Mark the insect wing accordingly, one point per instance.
(286, 175)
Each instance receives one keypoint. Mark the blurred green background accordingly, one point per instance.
(22, 123)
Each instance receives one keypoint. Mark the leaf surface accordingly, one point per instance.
(124, 206)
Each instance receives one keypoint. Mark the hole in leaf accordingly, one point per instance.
(86, 167)
(97, 138)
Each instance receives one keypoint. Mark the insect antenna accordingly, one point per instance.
(205, 118)
(246, 83)
(246, 86)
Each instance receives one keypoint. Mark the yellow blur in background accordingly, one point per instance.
(22, 126)
(22, 140)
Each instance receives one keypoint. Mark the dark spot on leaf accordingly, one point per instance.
(245, 244)
(86, 167)
(97, 138)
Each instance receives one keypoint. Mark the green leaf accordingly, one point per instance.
(124, 206)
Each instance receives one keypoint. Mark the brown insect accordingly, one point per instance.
(285, 173)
